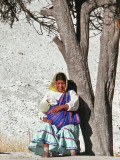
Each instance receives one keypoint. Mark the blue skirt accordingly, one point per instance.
(60, 141)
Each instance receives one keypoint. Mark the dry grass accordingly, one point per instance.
(118, 155)
(14, 144)
(17, 145)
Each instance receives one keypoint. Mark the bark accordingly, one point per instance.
(47, 12)
(106, 79)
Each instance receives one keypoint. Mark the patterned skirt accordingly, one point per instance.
(60, 141)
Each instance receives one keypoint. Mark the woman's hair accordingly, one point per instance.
(61, 76)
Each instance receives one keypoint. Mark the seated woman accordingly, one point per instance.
(59, 131)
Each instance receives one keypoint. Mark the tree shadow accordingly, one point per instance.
(84, 113)
(72, 85)
(4, 153)
(78, 4)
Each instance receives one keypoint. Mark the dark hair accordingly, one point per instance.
(61, 76)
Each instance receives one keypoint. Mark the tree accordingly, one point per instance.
(96, 108)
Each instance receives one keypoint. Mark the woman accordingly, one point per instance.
(59, 131)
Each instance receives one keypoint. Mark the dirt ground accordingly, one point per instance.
(30, 156)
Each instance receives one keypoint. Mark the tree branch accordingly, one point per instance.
(60, 45)
(86, 9)
(84, 29)
(101, 3)
(27, 11)
(47, 12)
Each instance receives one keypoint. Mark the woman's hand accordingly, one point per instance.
(47, 120)
(59, 108)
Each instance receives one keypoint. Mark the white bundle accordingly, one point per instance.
(44, 107)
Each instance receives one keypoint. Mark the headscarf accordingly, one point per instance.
(53, 83)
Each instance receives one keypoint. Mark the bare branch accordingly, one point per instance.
(49, 26)
(60, 45)
(95, 26)
(47, 12)
(96, 19)
(27, 11)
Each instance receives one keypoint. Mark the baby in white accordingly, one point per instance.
(45, 106)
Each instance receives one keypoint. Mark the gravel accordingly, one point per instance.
(26, 156)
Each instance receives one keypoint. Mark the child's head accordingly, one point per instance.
(44, 107)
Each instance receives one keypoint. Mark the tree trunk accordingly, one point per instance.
(106, 79)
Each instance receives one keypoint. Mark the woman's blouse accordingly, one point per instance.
(52, 97)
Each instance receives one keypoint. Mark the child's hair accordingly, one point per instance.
(61, 76)
(44, 107)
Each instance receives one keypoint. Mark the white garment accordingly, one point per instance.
(53, 97)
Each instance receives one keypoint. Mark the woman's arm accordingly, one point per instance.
(73, 105)
(59, 108)
(74, 102)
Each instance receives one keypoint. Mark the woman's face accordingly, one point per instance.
(61, 85)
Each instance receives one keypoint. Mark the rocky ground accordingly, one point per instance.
(26, 156)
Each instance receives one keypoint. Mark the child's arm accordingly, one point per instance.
(47, 120)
